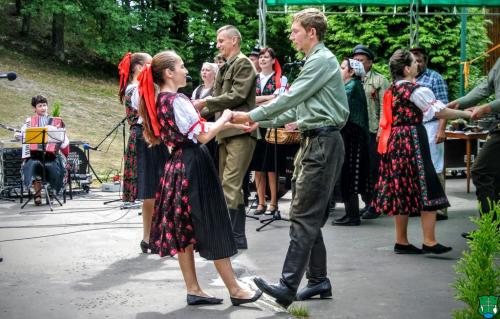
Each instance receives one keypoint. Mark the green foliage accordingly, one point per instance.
(299, 311)
(439, 35)
(478, 270)
(56, 109)
(98, 33)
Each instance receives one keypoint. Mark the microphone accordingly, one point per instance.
(295, 63)
(88, 147)
(189, 79)
(11, 76)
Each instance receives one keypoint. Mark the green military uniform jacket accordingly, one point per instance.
(375, 85)
(234, 89)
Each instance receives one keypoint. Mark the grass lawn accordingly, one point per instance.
(90, 106)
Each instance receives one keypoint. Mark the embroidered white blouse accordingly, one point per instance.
(187, 118)
(424, 99)
(134, 100)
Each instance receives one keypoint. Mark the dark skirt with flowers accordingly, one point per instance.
(190, 207)
(143, 166)
(408, 183)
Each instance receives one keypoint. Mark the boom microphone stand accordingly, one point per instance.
(122, 123)
(277, 216)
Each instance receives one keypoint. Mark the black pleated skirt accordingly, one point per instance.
(209, 213)
(150, 164)
(356, 168)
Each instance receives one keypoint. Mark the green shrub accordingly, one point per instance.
(478, 270)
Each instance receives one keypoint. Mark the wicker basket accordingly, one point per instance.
(283, 136)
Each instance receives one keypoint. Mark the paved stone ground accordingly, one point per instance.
(83, 261)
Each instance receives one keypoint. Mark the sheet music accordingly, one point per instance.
(56, 135)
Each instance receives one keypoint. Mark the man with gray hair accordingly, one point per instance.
(234, 89)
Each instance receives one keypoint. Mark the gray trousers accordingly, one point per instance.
(317, 167)
(486, 173)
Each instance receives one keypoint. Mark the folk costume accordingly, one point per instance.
(263, 155)
(407, 182)
(190, 207)
(143, 164)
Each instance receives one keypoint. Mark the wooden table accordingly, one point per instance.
(468, 137)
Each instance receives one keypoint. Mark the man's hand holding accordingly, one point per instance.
(480, 111)
(241, 117)
(199, 104)
(453, 105)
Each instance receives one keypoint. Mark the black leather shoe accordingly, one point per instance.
(193, 300)
(240, 301)
(144, 246)
(407, 249)
(369, 213)
(347, 222)
(323, 289)
(341, 219)
(283, 295)
(436, 249)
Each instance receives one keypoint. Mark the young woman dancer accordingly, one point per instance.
(190, 209)
(408, 182)
(143, 164)
(270, 83)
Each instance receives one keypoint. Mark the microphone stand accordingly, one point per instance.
(277, 215)
(122, 122)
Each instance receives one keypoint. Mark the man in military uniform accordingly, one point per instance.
(234, 89)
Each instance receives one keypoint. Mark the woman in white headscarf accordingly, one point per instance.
(355, 170)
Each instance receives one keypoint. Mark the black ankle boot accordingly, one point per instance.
(323, 289)
(283, 295)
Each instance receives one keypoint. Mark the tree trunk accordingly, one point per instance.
(26, 25)
(19, 6)
(58, 36)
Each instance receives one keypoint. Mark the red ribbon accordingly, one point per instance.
(124, 70)
(277, 70)
(147, 91)
(385, 122)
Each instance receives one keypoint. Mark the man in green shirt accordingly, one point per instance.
(486, 170)
(317, 102)
(234, 89)
(375, 85)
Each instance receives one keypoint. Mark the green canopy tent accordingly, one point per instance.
(417, 8)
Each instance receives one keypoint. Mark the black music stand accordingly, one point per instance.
(40, 135)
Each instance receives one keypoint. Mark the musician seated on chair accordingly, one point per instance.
(56, 151)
